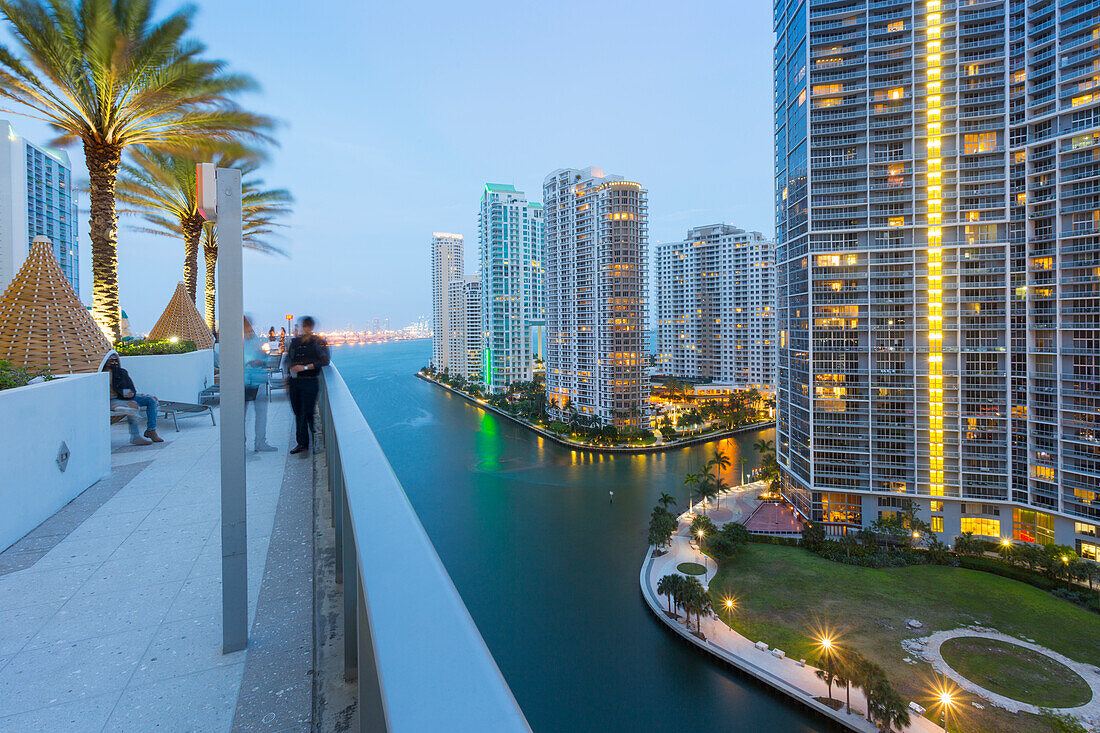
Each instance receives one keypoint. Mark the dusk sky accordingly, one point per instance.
(395, 114)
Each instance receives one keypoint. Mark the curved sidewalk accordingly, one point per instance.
(783, 674)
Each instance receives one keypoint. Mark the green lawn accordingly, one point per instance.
(691, 568)
(785, 593)
(1016, 672)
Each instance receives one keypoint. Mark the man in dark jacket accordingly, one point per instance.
(124, 393)
(306, 355)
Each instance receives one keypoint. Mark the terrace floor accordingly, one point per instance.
(110, 611)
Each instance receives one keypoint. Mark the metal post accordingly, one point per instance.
(231, 364)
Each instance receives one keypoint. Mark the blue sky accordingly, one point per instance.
(396, 113)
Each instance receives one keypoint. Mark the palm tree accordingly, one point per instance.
(764, 446)
(260, 210)
(828, 676)
(666, 500)
(691, 480)
(666, 585)
(106, 74)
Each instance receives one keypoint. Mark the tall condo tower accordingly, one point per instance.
(447, 254)
(716, 307)
(596, 254)
(512, 245)
(465, 340)
(36, 198)
(939, 238)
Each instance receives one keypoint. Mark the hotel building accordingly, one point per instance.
(447, 266)
(938, 222)
(715, 300)
(36, 198)
(512, 248)
(465, 341)
(596, 323)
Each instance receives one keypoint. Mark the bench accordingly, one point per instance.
(176, 410)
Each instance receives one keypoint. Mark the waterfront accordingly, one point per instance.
(547, 565)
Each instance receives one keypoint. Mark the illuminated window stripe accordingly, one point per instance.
(933, 62)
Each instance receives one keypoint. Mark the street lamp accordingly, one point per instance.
(700, 535)
(729, 603)
(946, 701)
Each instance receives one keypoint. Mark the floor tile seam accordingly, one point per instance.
(152, 638)
(56, 705)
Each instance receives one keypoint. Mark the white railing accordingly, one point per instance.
(420, 661)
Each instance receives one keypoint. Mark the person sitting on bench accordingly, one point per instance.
(124, 393)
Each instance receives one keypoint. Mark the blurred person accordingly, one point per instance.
(271, 334)
(282, 340)
(255, 379)
(123, 392)
(307, 354)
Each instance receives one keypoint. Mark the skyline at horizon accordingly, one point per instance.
(427, 131)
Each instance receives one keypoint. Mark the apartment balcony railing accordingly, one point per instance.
(420, 661)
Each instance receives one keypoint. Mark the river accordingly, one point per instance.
(548, 564)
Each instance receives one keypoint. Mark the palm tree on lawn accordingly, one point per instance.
(261, 211)
(106, 74)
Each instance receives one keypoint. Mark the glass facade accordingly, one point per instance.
(938, 221)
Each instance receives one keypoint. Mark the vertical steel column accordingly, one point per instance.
(351, 596)
(371, 706)
(231, 381)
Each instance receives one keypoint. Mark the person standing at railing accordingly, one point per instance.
(307, 354)
(255, 383)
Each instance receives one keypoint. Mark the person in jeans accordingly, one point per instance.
(306, 355)
(255, 381)
(124, 393)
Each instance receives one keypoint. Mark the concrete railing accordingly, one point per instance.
(420, 661)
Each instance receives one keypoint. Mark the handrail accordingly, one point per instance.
(420, 660)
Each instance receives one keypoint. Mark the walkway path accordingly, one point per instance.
(782, 673)
(1088, 713)
(110, 612)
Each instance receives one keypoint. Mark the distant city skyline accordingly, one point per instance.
(381, 153)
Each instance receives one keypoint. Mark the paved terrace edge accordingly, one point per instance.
(740, 663)
(697, 440)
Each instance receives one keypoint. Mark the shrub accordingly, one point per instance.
(997, 567)
(154, 347)
(13, 376)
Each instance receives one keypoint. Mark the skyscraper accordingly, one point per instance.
(596, 324)
(939, 234)
(716, 307)
(512, 247)
(465, 342)
(447, 266)
(36, 198)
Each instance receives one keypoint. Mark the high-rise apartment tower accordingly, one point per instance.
(36, 198)
(596, 323)
(938, 218)
(512, 247)
(447, 266)
(715, 300)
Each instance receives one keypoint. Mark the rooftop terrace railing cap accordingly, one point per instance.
(433, 670)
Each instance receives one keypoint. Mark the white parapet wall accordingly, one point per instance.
(175, 377)
(34, 422)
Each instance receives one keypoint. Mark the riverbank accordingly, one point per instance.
(655, 448)
(792, 677)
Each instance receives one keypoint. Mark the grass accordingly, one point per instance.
(787, 596)
(1016, 672)
(691, 568)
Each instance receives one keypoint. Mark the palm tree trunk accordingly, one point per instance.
(210, 257)
(192, 232)
(103, 160)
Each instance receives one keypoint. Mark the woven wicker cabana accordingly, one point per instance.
(181, 319)
(43, 324)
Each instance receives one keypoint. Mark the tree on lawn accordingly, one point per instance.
(662, 525)
(106, 74)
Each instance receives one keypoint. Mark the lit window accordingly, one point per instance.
(981, 526)
(937, 524)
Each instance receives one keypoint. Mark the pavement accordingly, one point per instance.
(783, 673)
(110, 611)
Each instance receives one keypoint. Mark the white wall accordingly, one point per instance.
(34, 420)
(175, 377)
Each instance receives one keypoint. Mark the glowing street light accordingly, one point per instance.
(1006, 542)
(729, 603)
(947, 700)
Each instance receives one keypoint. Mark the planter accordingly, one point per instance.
(36, 420)
(175, 377)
